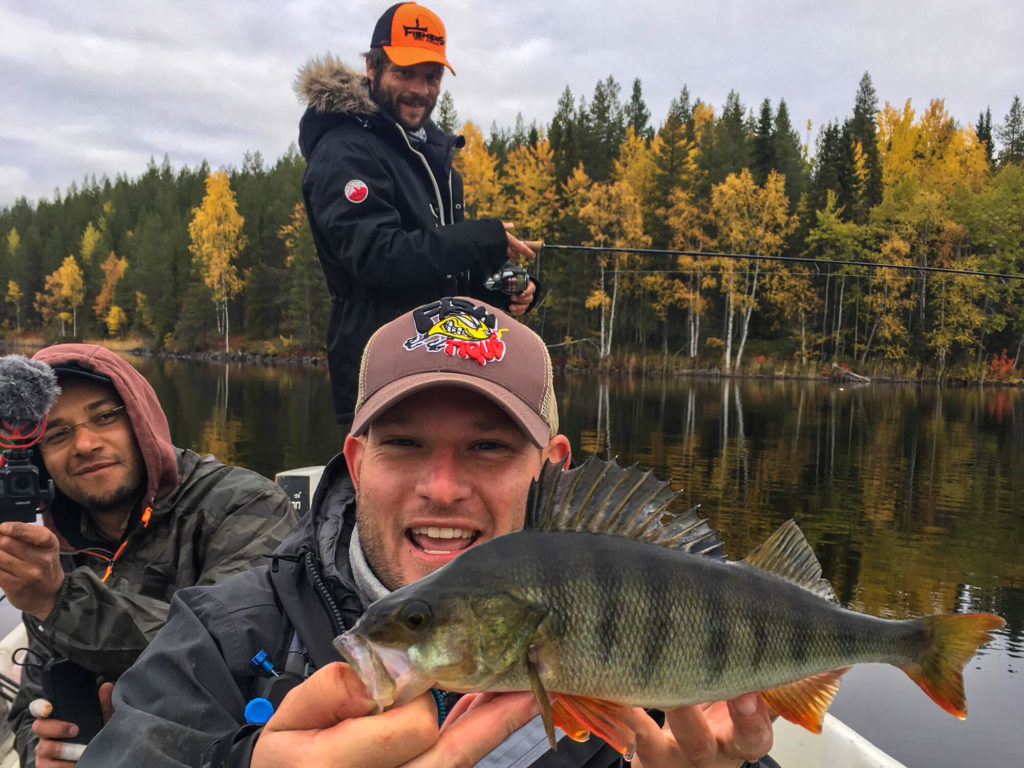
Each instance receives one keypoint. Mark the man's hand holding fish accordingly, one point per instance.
(326, 722)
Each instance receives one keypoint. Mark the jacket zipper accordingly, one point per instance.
(147, 513)
(430, 173)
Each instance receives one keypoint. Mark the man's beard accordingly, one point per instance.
(389, 104)
(122, 498)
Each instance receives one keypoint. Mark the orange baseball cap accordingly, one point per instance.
(411, 34)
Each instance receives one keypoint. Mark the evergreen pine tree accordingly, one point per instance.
(788, 156)
(862, 128)
(638, 117)
(984, 132)
(764, 146)
(562, 137)
(447, 118)
(608, 129)
(1011, 135)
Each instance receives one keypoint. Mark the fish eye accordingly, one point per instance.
(415, 615)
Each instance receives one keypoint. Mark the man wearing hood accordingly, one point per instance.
(385, 206)
(134, 519)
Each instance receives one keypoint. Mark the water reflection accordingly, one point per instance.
(909, 495)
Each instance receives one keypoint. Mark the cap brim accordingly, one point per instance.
(390, 394)
(407, 56)
(66, 371)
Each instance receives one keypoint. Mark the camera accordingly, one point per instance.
(21, 492)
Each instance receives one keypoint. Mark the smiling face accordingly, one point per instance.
(439, 472)
(101, 470)
(408, 93)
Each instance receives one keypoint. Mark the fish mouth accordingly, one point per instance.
(442, 540)
(387, 673)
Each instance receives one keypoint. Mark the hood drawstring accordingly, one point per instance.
(147, 513)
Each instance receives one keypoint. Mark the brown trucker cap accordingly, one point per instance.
(465, 343)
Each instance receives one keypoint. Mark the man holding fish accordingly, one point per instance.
(456, 416)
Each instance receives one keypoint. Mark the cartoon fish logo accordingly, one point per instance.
(460, 327)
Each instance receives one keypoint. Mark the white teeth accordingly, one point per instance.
(443, 533)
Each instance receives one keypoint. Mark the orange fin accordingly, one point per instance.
(952, 640)
(576, 715)
(805, 701)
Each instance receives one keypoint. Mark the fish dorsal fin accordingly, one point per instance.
(604, 497)
(787, 554)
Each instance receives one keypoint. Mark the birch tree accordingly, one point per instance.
(750, 220)
(217, 240)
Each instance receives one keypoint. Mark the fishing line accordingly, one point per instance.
(761, 257)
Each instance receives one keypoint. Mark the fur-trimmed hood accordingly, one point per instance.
(327, 86)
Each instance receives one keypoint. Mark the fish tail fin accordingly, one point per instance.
(952, 640)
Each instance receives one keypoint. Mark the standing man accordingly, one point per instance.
(134, 519)
(385, 206)
(455, 416)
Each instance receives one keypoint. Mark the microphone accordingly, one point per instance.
(28, 390)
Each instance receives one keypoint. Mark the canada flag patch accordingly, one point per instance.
(356, 191)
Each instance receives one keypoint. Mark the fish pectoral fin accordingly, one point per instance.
(546, 715)
(576, 715)
(805, 701)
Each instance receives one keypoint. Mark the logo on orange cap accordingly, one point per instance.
(411, 34)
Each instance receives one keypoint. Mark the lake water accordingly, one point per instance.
(912, 497)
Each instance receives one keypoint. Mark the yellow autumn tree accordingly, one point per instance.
(889, 300)
(306, 278)
(113, 270)
(115, 320)
(143, 312)
(688, 227)
(751, 220)
(90, 241)
(63, 292)
(217, 239)
(530, 184)
(482, 189)
(926, 165)
(635, 165)
(958, 316)
(72, 289)
(13, 297)
(614, 217)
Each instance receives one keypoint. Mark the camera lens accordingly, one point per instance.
(22, 484)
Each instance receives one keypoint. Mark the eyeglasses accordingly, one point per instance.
(60, 437)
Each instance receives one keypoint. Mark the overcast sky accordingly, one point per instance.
(95, 87)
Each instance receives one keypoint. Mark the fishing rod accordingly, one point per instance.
(538, 245)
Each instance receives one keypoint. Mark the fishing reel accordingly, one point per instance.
(510, 279)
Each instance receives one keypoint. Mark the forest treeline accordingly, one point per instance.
(190, 259)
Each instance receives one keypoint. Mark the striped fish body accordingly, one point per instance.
(644, 625)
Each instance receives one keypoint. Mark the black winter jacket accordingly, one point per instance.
(386, 214)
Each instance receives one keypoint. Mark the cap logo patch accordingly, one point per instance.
(356, 191)
(457, 328)
(416, 32)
